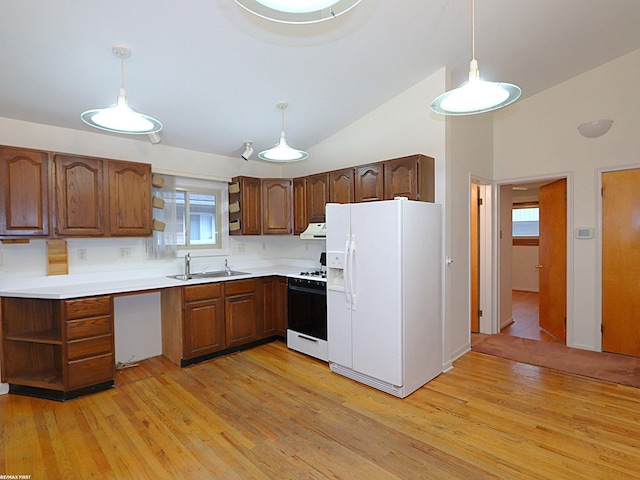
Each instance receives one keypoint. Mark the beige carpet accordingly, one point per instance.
(603, 366)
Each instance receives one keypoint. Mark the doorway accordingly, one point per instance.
(533, 259)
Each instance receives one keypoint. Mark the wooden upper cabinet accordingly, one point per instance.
(249, 216)
(317, 196)
(300, 210)
(342, 186)
(80, 192)
(24, 194)
(97, 197)
(277, 206)
(369, 183)
(130, 211)
(411, 177)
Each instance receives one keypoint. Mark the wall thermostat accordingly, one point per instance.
(584, 232)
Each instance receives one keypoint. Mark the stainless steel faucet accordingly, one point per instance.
(227, 268)
(187, 264)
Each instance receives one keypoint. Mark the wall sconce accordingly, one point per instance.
(594, 129)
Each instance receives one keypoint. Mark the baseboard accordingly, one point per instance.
(448, 365)
(506, 324)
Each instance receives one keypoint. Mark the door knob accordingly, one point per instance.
(539, 266)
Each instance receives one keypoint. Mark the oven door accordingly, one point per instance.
(307, 317)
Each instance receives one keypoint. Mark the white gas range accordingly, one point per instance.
(307, 313)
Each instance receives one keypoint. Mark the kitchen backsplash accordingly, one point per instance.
(125, 254)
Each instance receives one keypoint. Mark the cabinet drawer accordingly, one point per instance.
(89, 327)
(202, 292)
(88, 307)
(89, 347)
(240, 286)
(90, 371)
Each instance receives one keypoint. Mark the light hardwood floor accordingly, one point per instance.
(270, 413)
(526, 322)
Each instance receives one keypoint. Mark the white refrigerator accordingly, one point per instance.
(384, 271)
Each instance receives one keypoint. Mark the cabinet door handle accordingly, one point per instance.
(539, 266)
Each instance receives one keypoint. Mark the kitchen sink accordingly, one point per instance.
(196, 276)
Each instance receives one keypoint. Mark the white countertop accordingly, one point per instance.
(75, 288)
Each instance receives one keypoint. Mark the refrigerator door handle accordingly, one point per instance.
(352, 254)
(347, 292)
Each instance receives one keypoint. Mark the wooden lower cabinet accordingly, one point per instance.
(58, 349)
(272, 297)
(241, 311)
(203, 319)
(200, 322)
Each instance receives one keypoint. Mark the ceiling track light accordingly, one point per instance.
(282, 152)
(121, 118)
(476, 95)
(248, 151)
(298, 11)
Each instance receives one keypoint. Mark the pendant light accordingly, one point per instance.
(476, 95)
(298, 11)
(121, 118)
(282, 152)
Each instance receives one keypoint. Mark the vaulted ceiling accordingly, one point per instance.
(213, 72)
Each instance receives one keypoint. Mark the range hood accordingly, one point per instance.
(315, 231)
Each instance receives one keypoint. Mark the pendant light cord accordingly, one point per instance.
(473, 29)
(122, 71)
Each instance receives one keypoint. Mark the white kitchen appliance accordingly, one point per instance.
(384, 264)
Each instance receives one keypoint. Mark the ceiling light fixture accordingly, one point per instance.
(248, 151)
(120, 118)
(594, 129)
(298, 11)
(476, 95)
(282, 152)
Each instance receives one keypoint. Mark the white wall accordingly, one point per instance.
(524, 275)
(505, 260)
(538, 137)
(461, 147)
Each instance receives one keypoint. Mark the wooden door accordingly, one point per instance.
(276, 207)
(241, 312)
(267, 325)
(475, 258)
(250, 206)
(401, 178)
(203, 327)
(130, 211)
(300, 211)
(24, 194)
(280, 306)
(341, 186)
(620, 262)
(369, 183)
(80, 191)
(552, 268)
(317, 196)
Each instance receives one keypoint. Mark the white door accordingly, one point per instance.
(339, 333)
(377, 286)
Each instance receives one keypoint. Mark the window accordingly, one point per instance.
(526, 222)
(199, 217)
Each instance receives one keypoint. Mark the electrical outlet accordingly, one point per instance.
(1, 260)
(125, 252)
(241, 247)
(82, 254)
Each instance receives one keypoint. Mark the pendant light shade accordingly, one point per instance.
(476, 95)
(121, 118)
(282, 152)
(298, 11)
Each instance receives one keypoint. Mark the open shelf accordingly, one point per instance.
(49, 337)
(47, 379)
